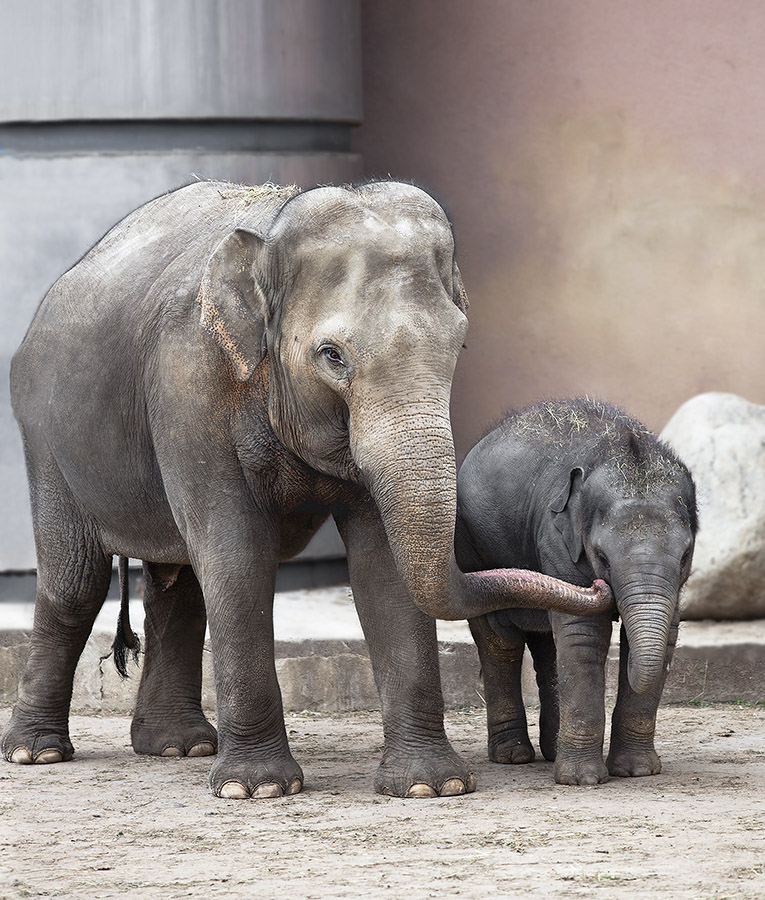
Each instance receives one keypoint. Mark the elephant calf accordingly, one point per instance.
(576, 489)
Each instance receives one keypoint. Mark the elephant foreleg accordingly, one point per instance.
(418, 760)
(582, 647)
(633, 723)
(235, 557)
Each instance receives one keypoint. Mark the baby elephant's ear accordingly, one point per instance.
(567, 512)
(234, 306)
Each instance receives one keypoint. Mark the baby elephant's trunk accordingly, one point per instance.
(647, 616)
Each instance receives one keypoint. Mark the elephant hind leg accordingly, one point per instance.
(73, 576)
(501, 660)
(168, 718)
(542, 648)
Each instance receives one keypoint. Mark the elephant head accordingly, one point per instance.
(354, 302)
(631, 520)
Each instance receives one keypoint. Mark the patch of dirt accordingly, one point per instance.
(112, 824)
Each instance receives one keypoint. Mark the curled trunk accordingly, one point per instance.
(410, 470)
(647, 619)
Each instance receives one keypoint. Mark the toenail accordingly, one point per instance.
(22, 756)
(172, 752)
(234, 790)
(421, 791)
(203, 748)
(295, 787)
(50, 755)
(453, 787)
(267, 790)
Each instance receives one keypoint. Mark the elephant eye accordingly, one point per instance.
(332, 355)
(686, 558)
(602, 559)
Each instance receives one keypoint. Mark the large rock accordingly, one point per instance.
(721, 438)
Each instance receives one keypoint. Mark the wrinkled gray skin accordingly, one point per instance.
(576, 489)
(222, 371)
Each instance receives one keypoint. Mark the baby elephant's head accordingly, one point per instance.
(632, 520)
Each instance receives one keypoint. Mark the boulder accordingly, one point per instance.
(721, 438)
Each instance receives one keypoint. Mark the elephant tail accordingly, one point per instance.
(125, 639)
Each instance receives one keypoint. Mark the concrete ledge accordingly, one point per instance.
(714, 662)
(323, 676)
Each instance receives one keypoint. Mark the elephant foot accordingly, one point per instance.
(510, 747)
(579, 769)
(239, 776)
(196, 737)
(624, 762)
(27, 744)
(435, 772)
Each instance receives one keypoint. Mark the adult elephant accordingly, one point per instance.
(227, 367)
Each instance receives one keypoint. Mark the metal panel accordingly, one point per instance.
(180, 59)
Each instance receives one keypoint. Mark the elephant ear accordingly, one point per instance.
(567, 513)
(458, 289)
(234, 305)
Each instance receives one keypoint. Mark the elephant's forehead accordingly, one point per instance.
(654, 514)
(347, 223)
(402, 225)
(398, 238)
(384, 199)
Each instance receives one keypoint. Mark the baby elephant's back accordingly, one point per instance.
(494, 498)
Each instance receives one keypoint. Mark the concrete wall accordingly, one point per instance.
(604, 166)
(106, 105)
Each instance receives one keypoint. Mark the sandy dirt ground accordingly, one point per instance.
(112, 824)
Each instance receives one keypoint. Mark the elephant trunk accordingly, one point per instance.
(647, 614)
(408, 465)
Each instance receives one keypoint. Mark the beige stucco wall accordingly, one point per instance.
(604, 167)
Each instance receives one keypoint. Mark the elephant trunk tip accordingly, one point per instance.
(647, 626)
(642, 679)
(603, 598)
(524, 588)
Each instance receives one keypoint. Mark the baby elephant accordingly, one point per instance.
(576, 489)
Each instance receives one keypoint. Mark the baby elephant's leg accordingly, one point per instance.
(542, 647)
(582, 647)
(501, 658)
(631, 752)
